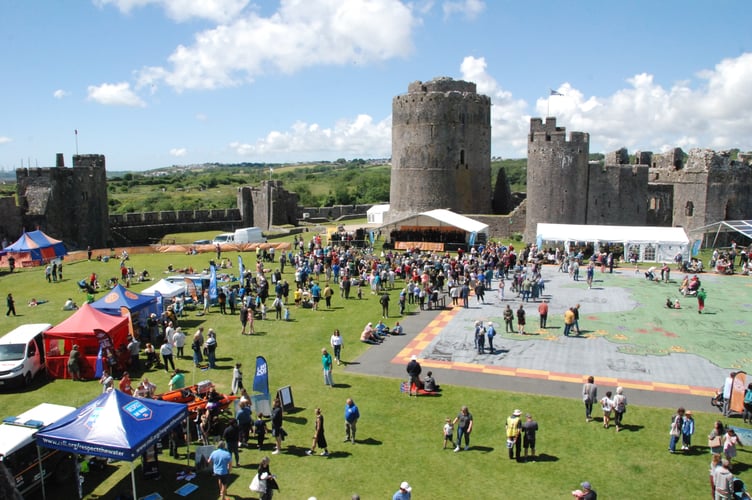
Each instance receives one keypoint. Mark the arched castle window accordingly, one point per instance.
(689, 209)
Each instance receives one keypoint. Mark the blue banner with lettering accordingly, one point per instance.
(261, 378)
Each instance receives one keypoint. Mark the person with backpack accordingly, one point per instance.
(620, 407)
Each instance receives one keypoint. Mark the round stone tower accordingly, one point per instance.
(557, 176)
(441, 149)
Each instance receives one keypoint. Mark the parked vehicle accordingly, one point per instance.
(249, 235)
(18, 448)
(223, 238)
(22, 355)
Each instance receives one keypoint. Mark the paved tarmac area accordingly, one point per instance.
(664, 357)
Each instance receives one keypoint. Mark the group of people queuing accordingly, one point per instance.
(614, 406)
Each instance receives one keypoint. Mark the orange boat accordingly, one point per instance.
(197, 397)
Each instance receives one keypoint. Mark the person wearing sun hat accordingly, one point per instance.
(514, 428)
(404, 492)
(586, 492)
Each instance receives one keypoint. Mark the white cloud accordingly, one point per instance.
(509, 122)
(60, 94)
(114, 94)
(183, 10)
(202, 117)
(645, 115)
(5, 140)
(467, 8)
(301, 34)
(178, 152)
(357, 137)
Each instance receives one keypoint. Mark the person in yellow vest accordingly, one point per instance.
(514, 428)
(568, 321)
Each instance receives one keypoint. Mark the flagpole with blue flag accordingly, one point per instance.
(548, 101)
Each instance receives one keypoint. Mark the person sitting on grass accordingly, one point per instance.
(429, 383)
(368, 336)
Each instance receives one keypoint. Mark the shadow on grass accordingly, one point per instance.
(369, 441)
(543, 457)
(631, 428)
(341, 386)
(296, 420)
(482, 449)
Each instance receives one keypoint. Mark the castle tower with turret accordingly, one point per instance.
(441, 149)
(557, 176)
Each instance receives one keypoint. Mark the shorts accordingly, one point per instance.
(223, 478)
(528, 443)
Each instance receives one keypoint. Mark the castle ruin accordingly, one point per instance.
(441, 149)
(654, 189)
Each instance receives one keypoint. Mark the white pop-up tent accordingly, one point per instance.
(652, 244)
(441, 220)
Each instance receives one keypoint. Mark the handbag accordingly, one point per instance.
(256, 485)
(714, 442)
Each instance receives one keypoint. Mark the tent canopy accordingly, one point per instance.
(84, 328)
(120, 297)
(165, 288)
(114, 425)
(36, 247)
(743, 227)
(441, 217)
(652, 243)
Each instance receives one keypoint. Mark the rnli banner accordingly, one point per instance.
(261, 378)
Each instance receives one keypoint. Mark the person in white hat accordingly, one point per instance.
(413, 370)
(404, 492)
(514, 427)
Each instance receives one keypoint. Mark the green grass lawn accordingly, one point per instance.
(399, 438)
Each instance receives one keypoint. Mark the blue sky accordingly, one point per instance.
(153, 83)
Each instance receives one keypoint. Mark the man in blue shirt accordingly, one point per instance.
(221, 462)
(352, 414)
(404, 492)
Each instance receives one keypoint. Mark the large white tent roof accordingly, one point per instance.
(632, 234)
(443, 217)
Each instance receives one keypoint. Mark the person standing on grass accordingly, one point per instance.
(688, 428)
(277, 431)
(404, 492)
(336, 342)
(352, 414)
(326, 363)
(675, 430)
(730, 441)
(620, 407)
(237, 379)
(514, 428)
(701, 296)
(319, 437)
(167, 357)
(11, 305)
(464, 423)
(231, 436)
(589, 396)
(328, 292)
(178, 340)
(384, 301)
(448, 431)
(607, 405)
(221, 461)
(529, 429)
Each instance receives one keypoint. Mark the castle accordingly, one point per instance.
(667, 189)
(441, 149)
(66, 203)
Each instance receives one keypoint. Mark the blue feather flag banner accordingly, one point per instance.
(261, 378)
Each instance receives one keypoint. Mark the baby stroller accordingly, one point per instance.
(717, 401)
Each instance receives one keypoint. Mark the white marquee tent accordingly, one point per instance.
(443, 218)
(376, 213)
(652, 244)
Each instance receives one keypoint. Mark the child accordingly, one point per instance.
(729, 444)
(688, 428)
(259, 428)
(448, 432)
(607, 404)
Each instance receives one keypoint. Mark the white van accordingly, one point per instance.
(223, 238)
(22, 355)
(249, 235)
(19, 449)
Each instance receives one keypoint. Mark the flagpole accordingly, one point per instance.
(76, 132)
(548, 105)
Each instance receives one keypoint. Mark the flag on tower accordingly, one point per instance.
(554, 92)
